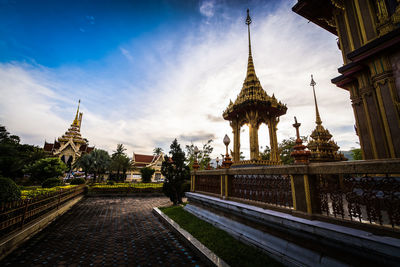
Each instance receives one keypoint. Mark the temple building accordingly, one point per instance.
(70, 146)
(322, 147)
(369, 38)
(140, 161)
(253, 106)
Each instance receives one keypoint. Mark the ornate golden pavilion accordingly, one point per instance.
(253, 106)
(70, 145)
(322, 148)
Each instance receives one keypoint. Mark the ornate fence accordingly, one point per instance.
(16, 214)
(360, 193)
(271, 189)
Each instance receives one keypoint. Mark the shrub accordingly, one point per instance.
(111, 182)
(186, 186)
(44, 169)
(147, 173)
(78, 181)
(9, 191)
(51, 182)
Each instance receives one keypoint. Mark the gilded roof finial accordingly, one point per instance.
(248, 22)
(76, 120)
(318, 120)
(250, 65)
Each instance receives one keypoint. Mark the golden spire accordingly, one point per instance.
(250, 64)
(76, 120)
(318, 120)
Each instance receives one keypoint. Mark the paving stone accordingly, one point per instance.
(120, 231)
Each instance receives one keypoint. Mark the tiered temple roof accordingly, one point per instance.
(72, 139)
(322, 147)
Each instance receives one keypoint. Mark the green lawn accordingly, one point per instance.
(232, 251)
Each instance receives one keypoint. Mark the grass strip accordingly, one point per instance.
(231, 250)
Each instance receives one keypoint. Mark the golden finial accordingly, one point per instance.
(248, 22)
(76, 120)
(318, 120)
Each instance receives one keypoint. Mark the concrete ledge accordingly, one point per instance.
(285, 230)
(210, 257)
(10, 243)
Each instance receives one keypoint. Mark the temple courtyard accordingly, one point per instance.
(106, 231)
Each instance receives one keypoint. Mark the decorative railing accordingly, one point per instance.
(361, 197)
(272, 189)
(16, 214)
(358, 193)
(209, 184)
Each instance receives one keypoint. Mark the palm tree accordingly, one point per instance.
(157, 151)
(120, 162)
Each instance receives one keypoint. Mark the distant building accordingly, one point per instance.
(140, 161)
(70, 146)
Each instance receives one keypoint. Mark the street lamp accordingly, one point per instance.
(217, 160)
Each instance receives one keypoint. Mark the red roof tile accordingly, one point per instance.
(144, 158)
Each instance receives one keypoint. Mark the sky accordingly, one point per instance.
(148, 72)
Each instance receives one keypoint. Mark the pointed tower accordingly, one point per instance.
(70, 145)
(252, 107)
(322, 147)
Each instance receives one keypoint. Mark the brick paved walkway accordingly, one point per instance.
(106, 232)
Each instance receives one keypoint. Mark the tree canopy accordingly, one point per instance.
(15, 156)
(46, 168)
(176, 172)
(146, 173)
(120, 163)
(203, 157)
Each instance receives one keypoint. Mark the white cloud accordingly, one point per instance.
(207, 8)
(186, 90)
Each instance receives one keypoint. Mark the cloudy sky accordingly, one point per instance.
(151, 71)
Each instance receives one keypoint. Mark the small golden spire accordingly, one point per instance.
(318, 120)
(76, 120)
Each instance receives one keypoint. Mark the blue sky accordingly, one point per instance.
(149, 71)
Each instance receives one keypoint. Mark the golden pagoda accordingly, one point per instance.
(253, 106)
(70, 146)
(322, 148)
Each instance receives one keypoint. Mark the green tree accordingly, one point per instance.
(266, 154)
(175, 172)
(86, 163)
(157, 151)
(101, 162)
(45, 168)
(286, 147)
(146, 173)
(356, 153)
(14, 156)
(120, 162)
(203, 157)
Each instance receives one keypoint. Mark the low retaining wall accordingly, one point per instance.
(11, 242)
(293, 240)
